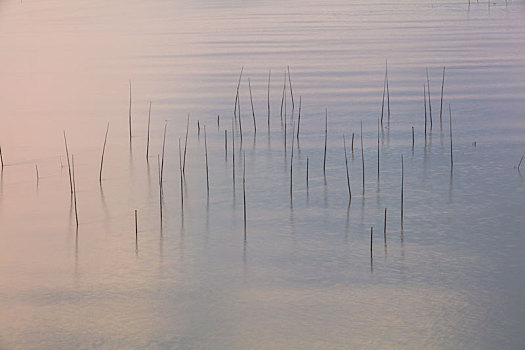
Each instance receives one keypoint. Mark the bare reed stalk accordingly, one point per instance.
(325, 139)
(239, 115)
(371, 238)
(521, 160)
(269, 74)
(299, 119)
(237, 94)
(68, 164)
(233, 155)
(283, 98)
(383, 99)
(218, 123)
(347, 173)
(362, 157)
(441, 103)
(102, 157)
(425, 105)
(413, 138)
(244, 191)
(136, 227)
(387, 94)
(160, 189)
(307, 180)
(186, 144)
(129, 113)
(429, 101)
(291, 166)
(198, 127)
(291, 91)
(402, 187)
(450, 127)
(37, 177)
(147, 142)
(74, 187)
(162, 159)
(352, 144)
(181, 169)
(206, 155)
(1, 158)
(253, 110)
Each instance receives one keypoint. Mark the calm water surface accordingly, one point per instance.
(449, 277)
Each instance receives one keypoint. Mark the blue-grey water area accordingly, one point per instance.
(447, 273)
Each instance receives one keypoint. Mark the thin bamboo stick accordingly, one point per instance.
(147, 142)
(68, 164)
(347, 172)
(325, 139)
(206, 155)
(102, 157)
(253, 110)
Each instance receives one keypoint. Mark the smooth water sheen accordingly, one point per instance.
(450, 277)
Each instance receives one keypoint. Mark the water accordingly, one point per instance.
(451, 277)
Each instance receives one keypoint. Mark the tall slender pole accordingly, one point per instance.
(181, 178)
(325, 139)
(206, 154)
(347, 173)
(244, 191)
(68, 164)
(269, 74)
(441, 103)
(1, 157)
(253, 110)
(103, 151)
(147, 142)
(450, 127)
(429, 101)
(186, 144)
(402, 187)
(299, 119)
(129, 113)
(74, 187)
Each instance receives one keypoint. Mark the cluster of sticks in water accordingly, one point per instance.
(237, 123)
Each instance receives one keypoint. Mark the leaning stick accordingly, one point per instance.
(147, 143)
(37, 177)
(521, 160)
(383, 99)
(68, 164)
(347, 173)
(387, 94)
(181, 169)
(102, 157)
(425, 105)
(74, 186)
(352, 144)
(282, 98)
(233, 155)
(291, 90)
(206, 154)
(237, 94)
(441, 103)
(299, 119)
(162, 159)
(186, 144)
(1, 157)
(253, 110)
